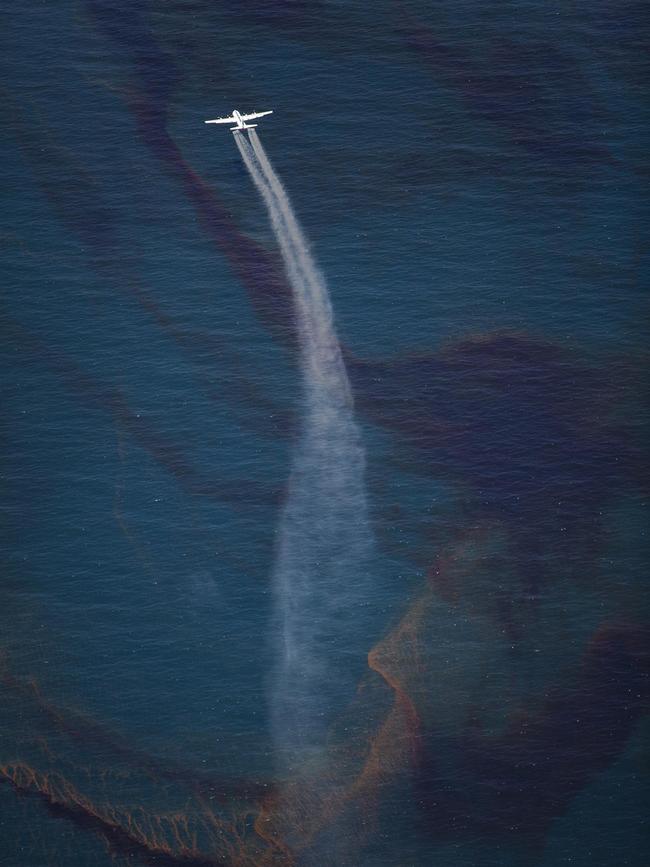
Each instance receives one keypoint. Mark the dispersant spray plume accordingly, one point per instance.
(320, 579)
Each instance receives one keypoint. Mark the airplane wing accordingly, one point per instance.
(255, 114)
(230, 119)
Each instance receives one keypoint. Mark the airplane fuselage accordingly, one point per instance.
(241, 123)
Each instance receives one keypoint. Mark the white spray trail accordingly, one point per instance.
(320, 580)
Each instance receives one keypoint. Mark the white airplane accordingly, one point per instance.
(240, 120)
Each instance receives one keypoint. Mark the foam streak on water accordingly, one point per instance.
(324, 541)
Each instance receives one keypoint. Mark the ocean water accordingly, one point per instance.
(468, 177)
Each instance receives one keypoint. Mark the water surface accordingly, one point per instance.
(469, 179)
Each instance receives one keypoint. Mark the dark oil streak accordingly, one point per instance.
(239, 494)
(530, 432)
(85, 730)
(119, 842)
(533, 92)
(77, 201)
(157, 76)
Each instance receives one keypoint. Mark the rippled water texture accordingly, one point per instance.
(324, 479)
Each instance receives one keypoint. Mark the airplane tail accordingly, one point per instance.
(245, 126)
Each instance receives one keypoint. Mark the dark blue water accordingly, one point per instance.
(470, 178)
